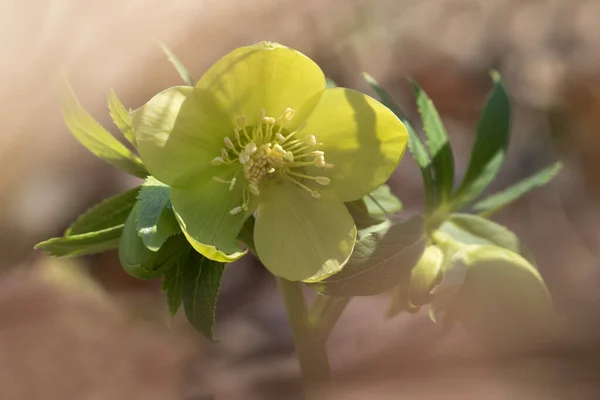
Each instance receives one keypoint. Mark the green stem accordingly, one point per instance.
(325, 312)
(310, 347)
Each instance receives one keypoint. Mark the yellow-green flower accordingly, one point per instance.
(260, 134)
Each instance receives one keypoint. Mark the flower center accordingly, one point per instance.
(267, 152)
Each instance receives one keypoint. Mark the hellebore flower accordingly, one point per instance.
(260, 134)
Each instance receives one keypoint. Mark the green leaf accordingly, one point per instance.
(382, 202)
(181, 70)
(121, 117)
(139, 261)
(85, 244)
(374, 207)
(383, 257)
(360, 214)
(437, 140)
(491, 143)
(173, 284)
(473, 229)
(111, 212)
(501, 199)
(156, 221)
(201, 282)
(97, 139)
(415, 144)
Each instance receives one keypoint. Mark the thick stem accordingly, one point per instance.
(310, 347)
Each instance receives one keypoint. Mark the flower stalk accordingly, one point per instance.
(310, 346)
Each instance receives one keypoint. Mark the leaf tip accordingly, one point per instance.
(495, 75)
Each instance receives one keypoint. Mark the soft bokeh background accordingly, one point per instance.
(81, 329)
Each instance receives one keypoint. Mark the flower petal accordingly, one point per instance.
(301, 238)
(361, 137)
(203, 213)
(265, 76)
(178, 132)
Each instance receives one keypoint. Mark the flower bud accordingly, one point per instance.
(425, 275)
(503, 299)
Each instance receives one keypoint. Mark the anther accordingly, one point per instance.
(232, 184)
(262, 114)
(279, 149)
(311, 140)
(224, 155)
(236, 210)
(217, 161)
(240, 121)
(250, 148)
(320, 162)
(288, 114)
(269, 120)
(322, 180)
(313, 193)
(289, 156)
(229, 143)
(244, 157)
(280, 138)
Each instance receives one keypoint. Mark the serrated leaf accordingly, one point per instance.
(156, 221)
(501, 199)
(139, 261)
(85, 244)
(415, 144)
(491, 143)
(382, 202)
(201, 282)
(181, 70)
(121, 117)
(473, 229)
(109, 213)
(173, 285)
(382, 259)
(360, 214)
(442, 160)
(97, 139)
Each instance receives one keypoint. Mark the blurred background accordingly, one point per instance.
(82, 329)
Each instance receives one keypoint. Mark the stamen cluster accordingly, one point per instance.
(266, 151)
